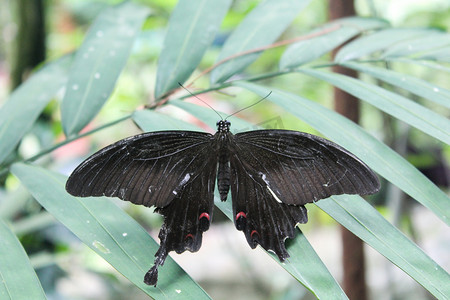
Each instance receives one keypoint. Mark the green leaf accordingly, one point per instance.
(26, 103)
(375, 154)
(108, 231)
(424, 47)
(413, 84)
(17, 277)
(363, 220)
(304, 263)
(149, 120)
(192, 27)
(308, 50)
(98, 63)
(261, 27)
(378, 41)
(398, 106)
(429, 64)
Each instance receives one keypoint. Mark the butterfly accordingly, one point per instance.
(272, 174)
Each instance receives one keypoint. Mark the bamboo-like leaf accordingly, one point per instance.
(377, 155)
(308, 50)
(421, 47)
(149, 120)
(364, 221)
(441, 54)
(378, 41)
(304, 263)
(259, 28)
(18, 279)
(428, 64)
(398, 106)
(192, 27)
(19, 113)
(413, 84)
(108, 231)
(98, 63)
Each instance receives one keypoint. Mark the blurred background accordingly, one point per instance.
(33, 32)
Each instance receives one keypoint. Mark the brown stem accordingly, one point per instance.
(354, 281)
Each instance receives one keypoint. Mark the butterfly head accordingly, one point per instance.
(223, 126)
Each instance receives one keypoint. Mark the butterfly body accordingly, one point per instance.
(271, 174)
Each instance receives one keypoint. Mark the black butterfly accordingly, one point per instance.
(272, 175)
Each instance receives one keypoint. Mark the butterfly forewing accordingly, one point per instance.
(148, 169)
(300, 168)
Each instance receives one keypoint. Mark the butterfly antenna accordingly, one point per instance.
(195, 96)
(264, 98)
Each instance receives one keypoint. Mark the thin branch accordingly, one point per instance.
(271, 46)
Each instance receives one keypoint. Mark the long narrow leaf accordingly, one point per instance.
(304, 264)
(98, 63)
(377, 155)
(398, 106)
(19, 113)
(17, 277)
(364, 221)
(413, 84)
(153, 121)
(424, 63)
(192, 27)
(378, 41)
(259, 28)
(306, 51)
(420, 47)
(108, 231)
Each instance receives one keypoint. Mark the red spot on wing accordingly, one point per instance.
(189, 235)
(204, 215)
(241, 214)
(254, 232)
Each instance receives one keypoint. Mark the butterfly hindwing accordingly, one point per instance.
(302, 168)
(186, 217)
(147, 169)
(257, 212)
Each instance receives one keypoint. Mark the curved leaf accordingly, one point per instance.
(398, 106)
(375, 154)
(25, 104)
(378, 41)
(149, 120)
(108, 231)
(421, 47)
(98, 63)
(304, 263)
(17, 277)
(259, 28)
(308, 50)
(413, 84)
(429, 64)
(363, 220)
(192, 27)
